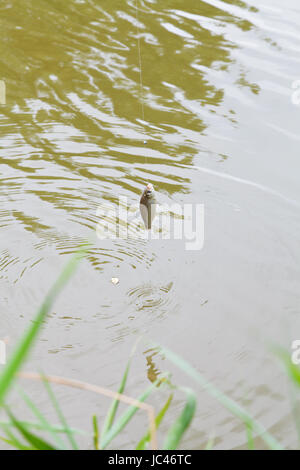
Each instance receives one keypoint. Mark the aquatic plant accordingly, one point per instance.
(27, 435)
(112, 426)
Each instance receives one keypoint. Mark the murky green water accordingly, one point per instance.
(221, 130)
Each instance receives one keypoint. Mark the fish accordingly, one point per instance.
(148, 205)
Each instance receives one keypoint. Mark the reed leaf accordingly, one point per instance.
(181, 424)
(13, 440)
(146, 439)
(127, 416)
(36, 442)
(60, 414)
(38, 426)
(45, 425)
(210, 443)
(227, 402)
(111, 414)
(96, 433)
(26, 342)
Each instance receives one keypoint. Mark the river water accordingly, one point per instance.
(221, 125)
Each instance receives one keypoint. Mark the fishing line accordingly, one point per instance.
(148, 200)
(140, 68)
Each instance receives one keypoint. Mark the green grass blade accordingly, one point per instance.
(14, 442)
(40, 427)
(127, 416)
(32, 439)
(110, 417)
(44, 423)
(250, 440)
(227, 402)
(60, 414)
(96, 433)
(210, 443)
(293, 372)
(181, 424)
(28, 338)
(146, 439)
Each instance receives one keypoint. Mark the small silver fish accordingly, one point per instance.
(148, 205)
